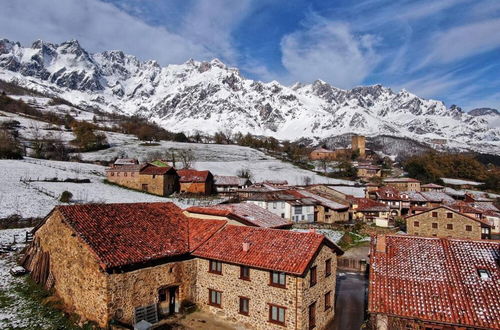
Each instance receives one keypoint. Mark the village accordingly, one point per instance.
(271, 254)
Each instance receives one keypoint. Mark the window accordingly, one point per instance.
(312, 315)
(328, 267)
(298, 209)
(468, 228)
(313, 279)
(449, 215)
(449, 226)
(328, 300)
(434, 214)
(278, 279)
(244, 305)
(434, 225)
(277, 314)
(245, 273)
(112, 173)
(416, 223)
(484, 274)
(214, 298)
(215, 267)
(274, 205)
(125, 174)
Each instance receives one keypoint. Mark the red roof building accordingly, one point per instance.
(434, 283)
(196, 182)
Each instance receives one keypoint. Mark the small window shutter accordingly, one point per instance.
(146, 313)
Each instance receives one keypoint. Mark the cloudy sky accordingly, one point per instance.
(442, 49)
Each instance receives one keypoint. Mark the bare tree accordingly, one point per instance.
(306, 180)
(186, 157)
(245, 172)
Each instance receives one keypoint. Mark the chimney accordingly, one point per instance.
(381, 246)
(246, 246)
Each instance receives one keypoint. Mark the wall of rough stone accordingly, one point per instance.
(257, 289)
(78, 279)
(126, 179)
(141, 287)
(459, 222)
(317, 292)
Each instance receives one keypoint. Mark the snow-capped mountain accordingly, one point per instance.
(209, 96)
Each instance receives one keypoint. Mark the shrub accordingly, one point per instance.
(66, 197)
(10, 147)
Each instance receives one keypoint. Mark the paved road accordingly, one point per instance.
(350, 301)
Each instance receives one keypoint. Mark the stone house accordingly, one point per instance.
(397, 201)
(403, 184)
(243, 214)
(323, 154)
(431, 187)
(327, 210)
(161, 181)
(196, 182)
(444, 221)
(367, 171)
(123, 263)
(369, 210)
(433, 283)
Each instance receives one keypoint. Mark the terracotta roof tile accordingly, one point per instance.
(157, 170)
(271, 249)
(193, 175)
(125, 234)
(367, 205)
(436, 280)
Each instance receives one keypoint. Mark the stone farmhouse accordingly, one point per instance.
(444, 221)
(433, 283)
(196, 182)
(161, 181)
(246, 214)
(431, 187)
(123, 263)
(367, 171)
(403, 184)
(369, 210)
(326, 210)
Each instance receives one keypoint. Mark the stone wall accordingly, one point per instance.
(78, 279)
(296, 297)
(141, 287)
(405, 186)
(331, 215)
(459, 222)
(257, 290)
(317, 292)
(195, 187)
(126, 179)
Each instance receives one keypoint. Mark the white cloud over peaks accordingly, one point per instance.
(329, 51)
(98, 26)
(463, 41)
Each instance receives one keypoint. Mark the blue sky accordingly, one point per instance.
(442, 49)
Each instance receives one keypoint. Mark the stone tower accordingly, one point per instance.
(358, 143)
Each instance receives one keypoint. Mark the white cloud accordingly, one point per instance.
(211, 23)
(98, 26)
(329, 51)
(463, 41)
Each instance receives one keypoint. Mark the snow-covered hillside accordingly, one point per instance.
(209, 96)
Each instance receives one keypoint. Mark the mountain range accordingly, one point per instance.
(211, 97)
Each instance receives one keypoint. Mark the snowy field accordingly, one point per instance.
(218, 159)
(36, 199)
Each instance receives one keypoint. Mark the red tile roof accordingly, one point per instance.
(247, 213)
(389, 193)
(193, 175)
(270, 249)
(367, 205)
(125, 234)
(436, 280)
(157, 170)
